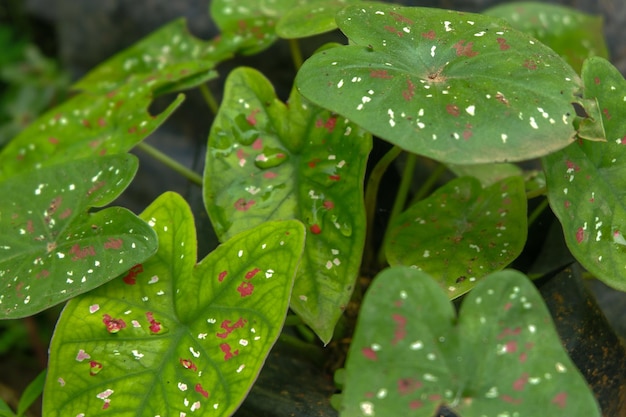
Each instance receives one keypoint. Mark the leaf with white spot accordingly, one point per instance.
(587, 182)
(462, 232)
(575, 35)
(456, 87)
(51, 247)
(171, 337)
(271, 161)
(501, 357)
(169, 59)
(86, 125)
(311, 18)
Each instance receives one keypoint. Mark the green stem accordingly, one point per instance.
(536, 193)
(371, 193)
(537, 211)
(296, 53)
(209, 98)
(192, 176)
(430, 182)
(405, 185)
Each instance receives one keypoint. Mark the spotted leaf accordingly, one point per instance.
(171, 336)
(268, 161)
(51, 247)
(310, 18)
(587, 182)
(86, 125)
(576, 36)
(411, 354)
(169, 59)
(462, 232)
(456, 87)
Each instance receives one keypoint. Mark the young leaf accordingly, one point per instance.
(172, 336)
(269, 161)
(169, 59)
(574, 35)
(86, 125)
(587, 182)
(51, 247)
(456, 87)
(462, 232)
(310, 18)
(502, 356)
(31, 393)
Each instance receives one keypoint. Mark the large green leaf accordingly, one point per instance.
(51, 247)
(173, 337)
(571, 33)
(500, 357)
(311, 18)
(456, 87)
(462, 232)
(168, 59)
(587, 182)
(266, 160)
(88, 124)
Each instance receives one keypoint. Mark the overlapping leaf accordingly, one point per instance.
(86, 125)
(172, 336)
(574, 35)
(587, 182)
(268, 161)
(310, 18)
(51, 248)
(462, 232)
(501, 357)
(456, 87)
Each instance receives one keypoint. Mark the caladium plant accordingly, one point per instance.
(150, 331)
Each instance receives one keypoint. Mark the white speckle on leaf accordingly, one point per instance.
(470, 110)
(533, 123)
(340, 83)
(504, 137)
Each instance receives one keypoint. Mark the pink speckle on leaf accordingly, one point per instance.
(245, 289)
(82, 355)
(429, 35)
(380, 74)
(410, 90)
(369, 353)
(228, 329)
(94, 368)
(606, 114)
(530, 64)
(53, 141)
(251, 118)
(250, 274)
(329, 205)
(315, 229)
(401, 18)
(560, 400)
(334, 177)
(257, 144)
(463, 49)
(511, 400)
(93, 308)
(408, 385)
(222, 275)
(511, 347)
(130, 278)
(313, 162)
(81, 253)
(113, 243)
(567, 204)
(155, 326)
(187, 364)
(520, 383)
(202, 391)
(400, 331)
(580, 235)
(453, 110)
(243, 205)
(393, 30)
(503, 44)
(113, 325)
(415, 404)
(510, 332)
(228, 352)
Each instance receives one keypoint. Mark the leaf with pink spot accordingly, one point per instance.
(189, 336)
(500, 356)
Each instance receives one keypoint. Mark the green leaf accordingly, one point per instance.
(462, 232)
(51, 247)
(169, 59)
(31, 393)
(5, 410)
(86, 125)
(487, 174)
(587, 182)
(311, 18)
(501, 357)
(268, 161)
(456, 87)
(172, 336)
(572, 34)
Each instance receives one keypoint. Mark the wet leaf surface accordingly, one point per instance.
(462, 232)
(271, 161)
(456, 87)
(587, 182)
(51, 247)
(310, 18)
(172, 336)
(501, 356)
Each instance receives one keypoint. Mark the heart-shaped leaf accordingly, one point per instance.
(88, 124)
(51, 248)
(169, 59)
(268, 161)
(462, 232)
(456, 87)
(501, 357)
(574, 35)
(587, 182)
(172, 336)
(312, 18)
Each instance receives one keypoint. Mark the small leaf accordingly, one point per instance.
(587, 182)
(31, 393)
(173, 337)
(462, 232)
(268, 161)
(311, 18)
(51, 247)
(456, 87)
(502, 356)
(86, 125)
(169, 59)
(574, 35)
